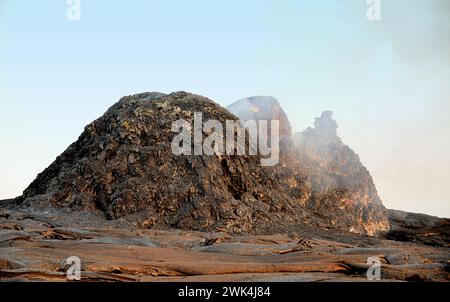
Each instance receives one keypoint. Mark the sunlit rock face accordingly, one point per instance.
(342, 188)
(123, 168)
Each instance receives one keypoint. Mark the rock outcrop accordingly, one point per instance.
(413, 227)
(343, 195)
(342, 189)
(34, 248)
(122, 166)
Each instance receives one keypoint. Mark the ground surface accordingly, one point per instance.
(34, 247)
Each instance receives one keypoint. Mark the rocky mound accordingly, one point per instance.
(343, 191)
(262, 108)
(267, 108)
(122, 166)
(420, 228)
(343, 195)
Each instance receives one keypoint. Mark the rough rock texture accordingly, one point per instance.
(35, 247)
(342, 189)
(421, 228)
(122, 166)
(343, 195)
(262, 108)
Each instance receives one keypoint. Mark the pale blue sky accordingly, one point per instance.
(387, 81)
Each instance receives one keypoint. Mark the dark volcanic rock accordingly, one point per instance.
(343, 195)
(421, 228)
(342, 188)
(122, 166)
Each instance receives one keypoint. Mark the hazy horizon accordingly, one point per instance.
(386, 81)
